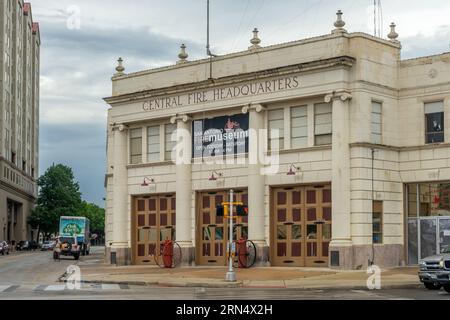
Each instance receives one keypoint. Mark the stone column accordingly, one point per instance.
(341, 243)
(183, 163)
(121, 217)
(13, 222)
(257, 184)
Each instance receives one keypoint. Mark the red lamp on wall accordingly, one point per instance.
(147, 181)
(293, 170)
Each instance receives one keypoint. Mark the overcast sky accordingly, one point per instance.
(77, 63)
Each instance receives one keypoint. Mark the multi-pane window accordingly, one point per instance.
(434, 122)
(169, 144)
(299, 127)
(136, 146)
(377, 221)
(153, 144)
(7, 144)
(376, 122)
(276, 125)
(323, 124)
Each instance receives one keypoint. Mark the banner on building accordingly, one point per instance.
(220, 136)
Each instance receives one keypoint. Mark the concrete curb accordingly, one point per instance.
(240, 284)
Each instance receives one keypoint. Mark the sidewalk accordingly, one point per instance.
(273, 277)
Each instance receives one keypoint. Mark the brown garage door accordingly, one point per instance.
(154, 222)
(212, 231)
(301, 226)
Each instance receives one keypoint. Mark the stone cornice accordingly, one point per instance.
(341, 61)
(401, 149)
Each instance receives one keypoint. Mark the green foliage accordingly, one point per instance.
(96, 216)
(59, 195)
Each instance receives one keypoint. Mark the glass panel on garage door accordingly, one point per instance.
(212, 231)
(154, 222)
(301, 226)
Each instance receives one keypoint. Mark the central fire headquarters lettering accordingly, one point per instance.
(250, 89)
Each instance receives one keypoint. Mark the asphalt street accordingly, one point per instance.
(34, 275)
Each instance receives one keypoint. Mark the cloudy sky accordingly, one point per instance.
(82, 39)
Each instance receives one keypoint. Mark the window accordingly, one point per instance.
(153, 144)
(376, 123)
(136, 146)
(299, 127)
(434, 122)
(323, 124)
(276, 122)
(377, 221)
(169, 144)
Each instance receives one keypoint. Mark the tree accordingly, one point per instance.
(96, 216)
(59, 195)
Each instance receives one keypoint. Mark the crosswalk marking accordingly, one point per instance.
(55, 288)
(3, 288)
(111, 287)
(62, 287)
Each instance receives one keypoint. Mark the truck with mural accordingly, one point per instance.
(76, 227)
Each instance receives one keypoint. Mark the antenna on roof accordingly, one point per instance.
(208, 47)
(377, 19)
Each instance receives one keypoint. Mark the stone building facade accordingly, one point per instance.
(19, 118)
(362, 154)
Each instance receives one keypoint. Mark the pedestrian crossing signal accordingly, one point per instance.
(242, 211)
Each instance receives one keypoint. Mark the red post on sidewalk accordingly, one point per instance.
(167, 254)
(242, 253)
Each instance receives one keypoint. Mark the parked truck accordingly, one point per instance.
(76, 227)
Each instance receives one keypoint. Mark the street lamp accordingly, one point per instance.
(215, 175)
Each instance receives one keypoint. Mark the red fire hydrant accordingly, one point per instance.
(167, 253)
(242, 253)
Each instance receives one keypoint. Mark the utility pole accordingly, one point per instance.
(231, 275)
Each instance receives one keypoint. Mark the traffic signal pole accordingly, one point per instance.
(231, 275)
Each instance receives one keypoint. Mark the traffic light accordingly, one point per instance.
(221, 211)
(242, 211)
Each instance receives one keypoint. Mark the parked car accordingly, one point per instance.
(47, 245)
(4, 247)
(435, 271)
(23, 246)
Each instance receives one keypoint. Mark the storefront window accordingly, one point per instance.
(434, 199)
(412, 200)
(377, 221)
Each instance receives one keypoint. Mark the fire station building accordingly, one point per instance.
(356, 154)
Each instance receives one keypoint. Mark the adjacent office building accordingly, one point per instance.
(357, 135)
(19, 118)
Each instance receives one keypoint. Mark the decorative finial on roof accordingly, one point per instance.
(182, 55)
(339, 24)
(393, 35)
(255, 41)
(120, 68)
